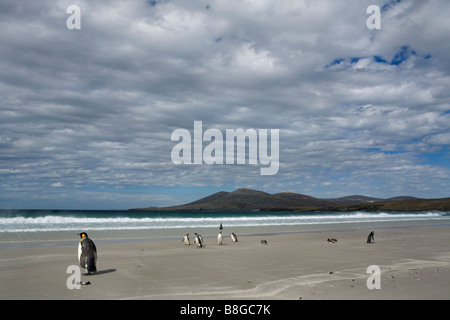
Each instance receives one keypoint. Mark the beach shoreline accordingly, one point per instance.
(68, 238)
(413, 259)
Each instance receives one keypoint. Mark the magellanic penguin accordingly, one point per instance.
(87, 253)
(233, 237)
(220, 238)
(186, 239)
(198, 241)
(199, 237)
(371, 238)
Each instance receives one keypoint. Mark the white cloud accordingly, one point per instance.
(95, 108)
(440, 139)
(57, 185)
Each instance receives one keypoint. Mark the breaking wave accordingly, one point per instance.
(26, 221)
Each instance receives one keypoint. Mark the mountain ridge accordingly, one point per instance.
(254, 200)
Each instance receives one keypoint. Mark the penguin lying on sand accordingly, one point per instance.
(87, 253)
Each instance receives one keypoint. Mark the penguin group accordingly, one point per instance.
(198, 240)
(87, 251)
(220, 238)
(370, 238)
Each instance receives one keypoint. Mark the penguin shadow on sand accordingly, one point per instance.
(99, 272)
(105, 271)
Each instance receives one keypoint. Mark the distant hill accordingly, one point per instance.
(253, 200)
(399, 205)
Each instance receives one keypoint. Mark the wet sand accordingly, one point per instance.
(414, 264)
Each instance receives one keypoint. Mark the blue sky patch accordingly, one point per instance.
(390, 4)
(402, 55)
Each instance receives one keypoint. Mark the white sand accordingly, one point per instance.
(414, 264)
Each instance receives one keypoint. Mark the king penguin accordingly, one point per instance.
(87, 253)
(233, 237)
(220, 238)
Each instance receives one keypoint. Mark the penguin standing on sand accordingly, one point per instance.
(186, 240)
(233, 237)
(220, 238)
(198, 241)
(87, 253)
(199, 237)
(371, 238)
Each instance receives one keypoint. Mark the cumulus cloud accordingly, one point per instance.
(89, 113)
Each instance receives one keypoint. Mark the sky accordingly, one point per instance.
(87, 115)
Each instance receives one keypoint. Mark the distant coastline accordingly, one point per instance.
(254, 200)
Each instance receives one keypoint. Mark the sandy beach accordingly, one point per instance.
(414, 263)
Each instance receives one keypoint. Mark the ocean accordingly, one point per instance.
(51, 227)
